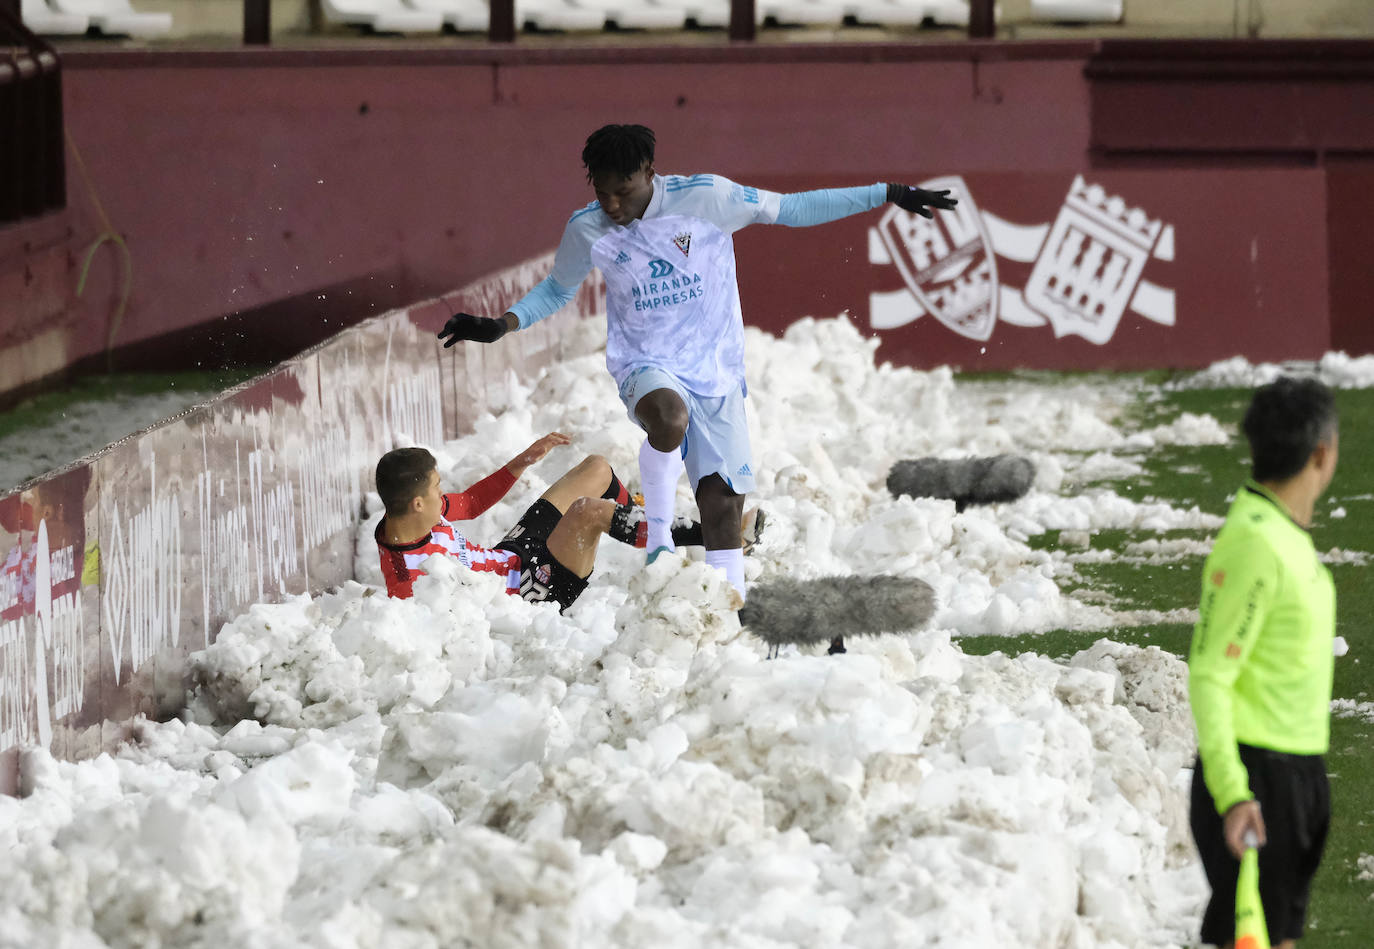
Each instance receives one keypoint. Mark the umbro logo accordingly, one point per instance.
(622, 258)
(658, 268)
(683, 242)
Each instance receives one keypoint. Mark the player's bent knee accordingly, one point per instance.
(665, 416)
(669, 433)
(594, 465)
(586, 514)
(676, 421)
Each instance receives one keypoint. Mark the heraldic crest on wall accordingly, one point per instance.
(1088, 266)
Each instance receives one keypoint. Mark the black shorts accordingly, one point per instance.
(1295, 802)
(542, 578)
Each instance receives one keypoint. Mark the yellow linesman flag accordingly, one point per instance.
(1251, 931)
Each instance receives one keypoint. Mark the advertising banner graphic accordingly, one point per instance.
(1074, 270)
(49, 656)
(1086, 267)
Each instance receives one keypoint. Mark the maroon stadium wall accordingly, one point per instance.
(113, 571)
(266, 198)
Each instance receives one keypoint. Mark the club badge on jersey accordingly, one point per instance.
(534, 584)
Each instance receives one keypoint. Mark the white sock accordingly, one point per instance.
(658, 475)
(732, 563)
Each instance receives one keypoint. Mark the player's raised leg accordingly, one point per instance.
(593, 477)
(574, 541)
(663, 415)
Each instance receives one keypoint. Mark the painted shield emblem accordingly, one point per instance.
(946, 261)
(1090, 265)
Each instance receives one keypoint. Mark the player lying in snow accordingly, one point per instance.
(550, 552)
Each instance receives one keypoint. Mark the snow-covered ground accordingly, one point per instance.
(465, 769)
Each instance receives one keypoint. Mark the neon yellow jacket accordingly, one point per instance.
(1259, 671)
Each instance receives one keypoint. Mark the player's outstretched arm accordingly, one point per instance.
(571, 264)
(481, 329)
(465, 505)
(919, 200)
(809, 208)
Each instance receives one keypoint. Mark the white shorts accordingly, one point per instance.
(717, 440)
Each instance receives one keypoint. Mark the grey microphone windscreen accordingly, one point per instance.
(816, 611)
(963, 480)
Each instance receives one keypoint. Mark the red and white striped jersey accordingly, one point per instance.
(401, 562)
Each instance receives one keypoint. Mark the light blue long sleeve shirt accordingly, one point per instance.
(716, 199)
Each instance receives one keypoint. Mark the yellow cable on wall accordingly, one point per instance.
(111, 235)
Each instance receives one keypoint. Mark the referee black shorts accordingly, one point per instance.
(542, 578)
(1295, 801)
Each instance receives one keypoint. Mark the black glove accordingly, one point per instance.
(919, 200)
(482, 329)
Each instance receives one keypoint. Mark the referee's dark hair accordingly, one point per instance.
(618, 149)
(1286, 421)
(402, 476)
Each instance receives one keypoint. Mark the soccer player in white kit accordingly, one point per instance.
(674, 329)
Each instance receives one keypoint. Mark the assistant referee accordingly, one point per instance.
(1259, 671)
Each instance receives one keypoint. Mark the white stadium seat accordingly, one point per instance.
(384, 16)
(909, 12)
(46, 21)
(801, 12)
(637, 14)
(117, 17)
(1076, 11)
(887, 12)
(463, 15)
(715, 13)
(948, 12)
(558, 15)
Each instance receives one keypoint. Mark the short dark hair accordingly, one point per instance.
(1286, 421)
(402, 476)
(618, 149)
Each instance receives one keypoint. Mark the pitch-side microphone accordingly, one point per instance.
(964, 481)
(827, 609)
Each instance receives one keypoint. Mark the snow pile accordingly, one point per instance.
(1337, 370)
(1351, 708)
(465, 768)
